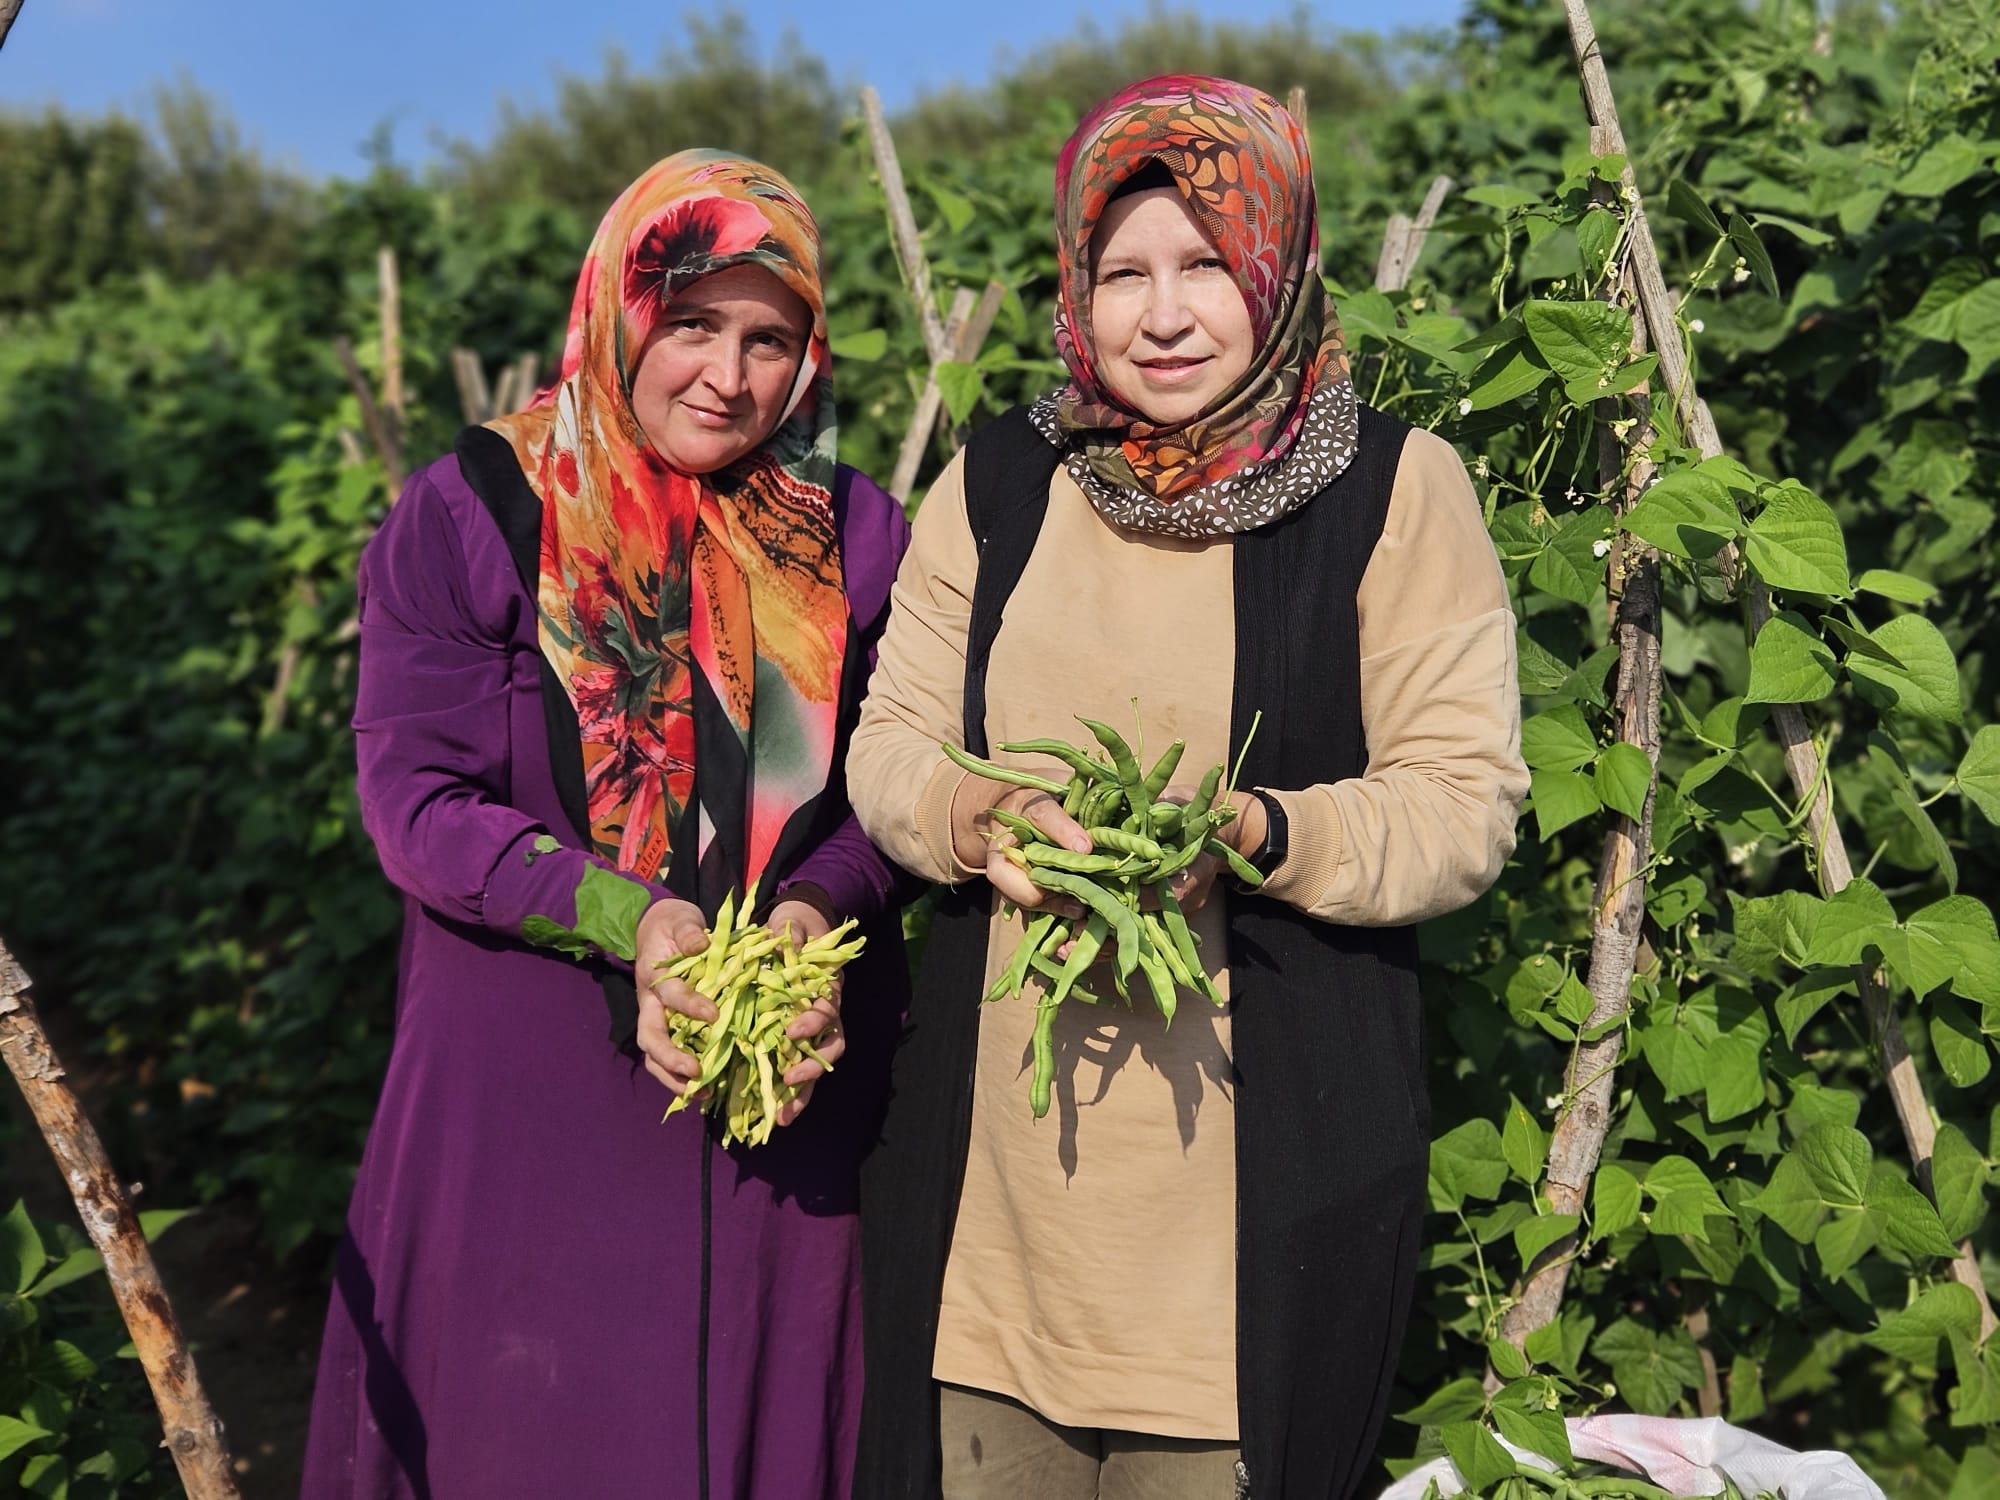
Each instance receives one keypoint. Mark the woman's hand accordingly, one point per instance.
(820, 1025)
(669, 929)
(1244, 833)
(978, 839)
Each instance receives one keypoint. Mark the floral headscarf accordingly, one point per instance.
(682, 610)
(1288, 426)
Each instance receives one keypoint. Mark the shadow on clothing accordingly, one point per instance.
(391, 1402)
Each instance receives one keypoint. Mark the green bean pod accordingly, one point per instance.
(1045, 1058)
(1017, 825)
(1068, 754)
(1094, 896)
(1015, 974)
(1126, 843)
(1073, 798)
(1160, 979)
(1175, 921)
(1163, 769)
(1244, 870)
(1130, 779)
(1005, 774)
(1082, 954)
(1047, 856)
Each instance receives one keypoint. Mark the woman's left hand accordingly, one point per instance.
(820, 1025)
(1243, 833)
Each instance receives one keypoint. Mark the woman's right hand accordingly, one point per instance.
(669, 929)
(978, 839)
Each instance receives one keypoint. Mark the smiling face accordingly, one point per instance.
(1169, 327)
(717, 372)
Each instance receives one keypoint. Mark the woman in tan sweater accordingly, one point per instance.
(1191, 1277)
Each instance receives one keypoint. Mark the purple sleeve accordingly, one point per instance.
(431, 724)
(858, 879)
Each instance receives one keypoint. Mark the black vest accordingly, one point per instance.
(1332, 1122)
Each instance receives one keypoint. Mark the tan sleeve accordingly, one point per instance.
(900, 783)
(1429, 826)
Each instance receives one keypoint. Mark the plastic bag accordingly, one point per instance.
(1683, 1456)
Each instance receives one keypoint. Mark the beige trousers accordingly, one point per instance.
(997, 1449)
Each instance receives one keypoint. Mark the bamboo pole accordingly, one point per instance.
(391, 291)
(917, 436)
(193, 1431)
(1802, 758)
(475, 402)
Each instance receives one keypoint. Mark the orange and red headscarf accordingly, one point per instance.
(697, 622)
(1289, 425)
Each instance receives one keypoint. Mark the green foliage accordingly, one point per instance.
(186, 858)
(76, 1420)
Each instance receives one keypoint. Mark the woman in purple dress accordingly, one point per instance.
(625, 628)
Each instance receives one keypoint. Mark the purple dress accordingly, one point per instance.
(519, 1303)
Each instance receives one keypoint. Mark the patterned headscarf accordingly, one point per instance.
(681, 609)
(1288, 426)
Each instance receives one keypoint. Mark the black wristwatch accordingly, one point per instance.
(1277, 837)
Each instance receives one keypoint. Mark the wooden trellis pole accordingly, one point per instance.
(956, 338)
(9, 9)
(193, 1431)
(1403, 240)
(1618, 911)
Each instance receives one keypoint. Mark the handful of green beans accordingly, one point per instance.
(761, 982)
(1139, 845)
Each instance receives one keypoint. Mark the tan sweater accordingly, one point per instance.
(1092, 1264)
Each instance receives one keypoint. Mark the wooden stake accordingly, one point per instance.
(475, 403)
(1802, 758)
(903, 224)
(387, 448)
(9, 9)
(392, 336)
(917, 436)
(193, 1431)
(1295, 104)
(972, 338)
(1403, 240)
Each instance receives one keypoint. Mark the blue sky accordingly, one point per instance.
(309, 81)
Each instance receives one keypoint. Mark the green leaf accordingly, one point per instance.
(1533, 1236)
(1747, 245)
(1959, 1044)
(1676, 1056)
(1674, 901)
(1898, 586)
(1624, 776)
(1805, 234)
(1960, 1176)
(960, 384)
(1651, 1369)
(1614, 1200)
(1842, 1241)
(1561, 798)
(1976, 1401)
(1953, 942)
(1596, 238)
(1462, 1400)
(1918, 1334)
(1683, 1198)
(16, 1435)
(1979, 773)
(1503, 196)
(1791, 1199)
(1558, 739)
(1903, 1217)
(1731, 722)
(1837, 1158)
(1795, 544)
(1506, 374)
(1580, 340)
(1857, 918)
(1508, 1362)
(608, 909)
(1688, 514)
(1806, 996)
(1632, 376)
(154, 1222)
(1568, 566)
(1480, 1459)
(1369, 315)
(72, 1267)
(21, 1254)
(1683, 202)
(1468, 1162)
(63, 1365)
(1859, 641)
(1524, 1143)
(864, 346)
(1942, 167)
(1927, 683)
(1789, 663)
(1735, 1083)
(1538, 1431)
